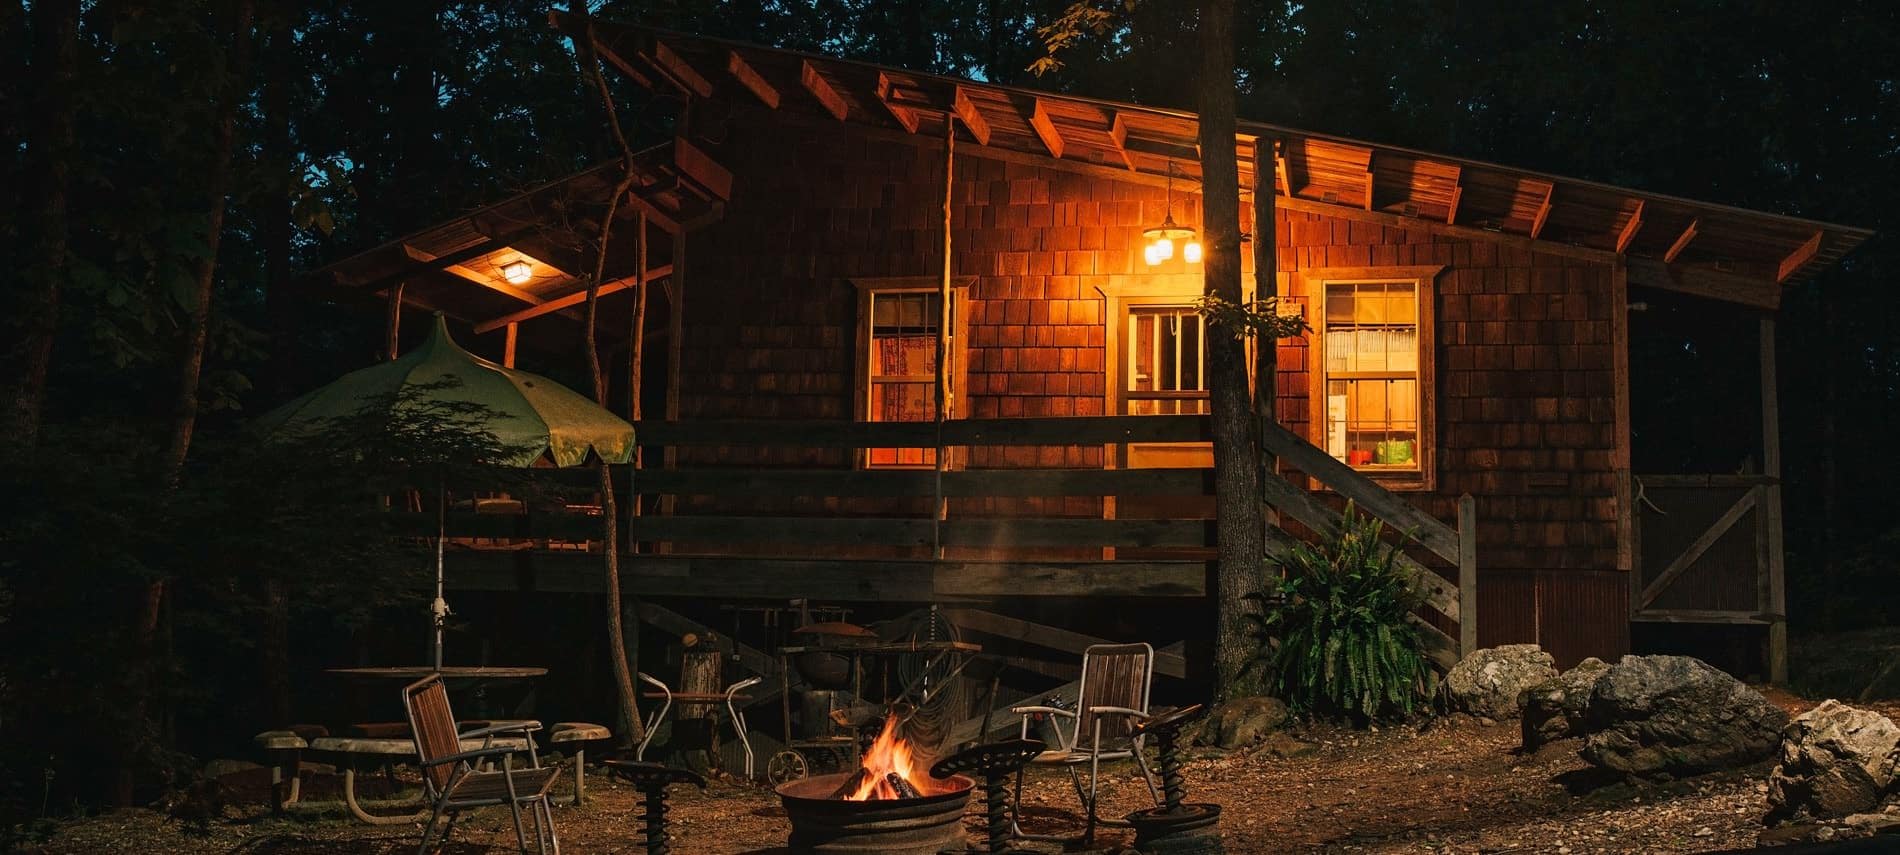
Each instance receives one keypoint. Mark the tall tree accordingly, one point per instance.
(616, 632)
(43, 216)
(1240, 519)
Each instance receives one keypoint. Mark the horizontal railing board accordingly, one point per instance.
(1167, 663)
(910, 483)
(1729, 479)
(561, 526)
(915, 531)
(1310, 512)
(856, 580)
(1366, 493)
(1075, 430)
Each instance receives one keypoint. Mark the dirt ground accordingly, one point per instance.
(1453, 785)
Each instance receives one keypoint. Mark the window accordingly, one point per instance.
(897, 357)
(1163, 368)
(1157, 367)
(1372, 403)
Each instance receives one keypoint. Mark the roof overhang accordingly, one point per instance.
(462, 267)
(1702, 248)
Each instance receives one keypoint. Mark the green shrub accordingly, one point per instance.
(1343, 643)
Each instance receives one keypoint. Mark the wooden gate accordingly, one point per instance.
(1705, 550)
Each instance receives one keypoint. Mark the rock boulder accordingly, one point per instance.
(1242, 721)
(1674, 715)
(1553, 709)
(1835, 760)
(1488, 682)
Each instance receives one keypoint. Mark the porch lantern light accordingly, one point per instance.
(1161, 238)
(517, 272)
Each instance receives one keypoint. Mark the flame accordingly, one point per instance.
(892, 753)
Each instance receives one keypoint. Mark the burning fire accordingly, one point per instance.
(891, 757)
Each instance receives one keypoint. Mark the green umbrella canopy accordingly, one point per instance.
(532, 413)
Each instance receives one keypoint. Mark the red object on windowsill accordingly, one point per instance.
(1359, 457)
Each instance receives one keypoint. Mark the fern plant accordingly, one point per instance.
(1345, 644)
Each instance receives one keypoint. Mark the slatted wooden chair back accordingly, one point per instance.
(1113, 675)
(433, 725)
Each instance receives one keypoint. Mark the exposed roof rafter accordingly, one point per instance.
(1630, 227)
(1046, 129)
(887, 95)
(1799, 258)
(571, 298)
(972, 117)
(1682, 242)
(1457, 195)
(750, 78)
(1543, 211)
(822, 90)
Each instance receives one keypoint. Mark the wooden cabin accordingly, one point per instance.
(1467, 377)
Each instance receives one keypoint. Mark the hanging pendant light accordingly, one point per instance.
(1161, 238)
(517, 272)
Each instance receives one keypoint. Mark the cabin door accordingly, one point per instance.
(1161, 369)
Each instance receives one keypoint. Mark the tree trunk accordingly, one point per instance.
(48, 134)
(217, 185)
(274, 217)
(630, 724)
(1239, 520)
(151, 602)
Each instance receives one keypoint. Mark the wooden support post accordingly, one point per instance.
(1266, 287)
(630, 640)
(636, 368)
(1467, 575)
(1771, 508)
(508, 345)
(675, 331)
(1626, 511)
(393, 327)
(943, 404)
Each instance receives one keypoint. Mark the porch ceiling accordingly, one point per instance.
(457, 267)
(1708, 249)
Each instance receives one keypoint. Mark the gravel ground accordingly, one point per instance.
(1454, 785)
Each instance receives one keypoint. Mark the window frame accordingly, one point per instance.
(1424, 279)
(957, 352)
(1118, 298)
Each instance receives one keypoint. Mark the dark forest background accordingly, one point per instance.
(330, 127)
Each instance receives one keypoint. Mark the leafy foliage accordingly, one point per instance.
(1256, 319)
(1345, 644)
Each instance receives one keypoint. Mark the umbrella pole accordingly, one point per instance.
(439, 609)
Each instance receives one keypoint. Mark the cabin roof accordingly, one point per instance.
(1714, 250)
(1721, 250)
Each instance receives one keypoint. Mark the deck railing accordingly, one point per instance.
(733, 511)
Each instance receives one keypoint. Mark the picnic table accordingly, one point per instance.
(383, 744)
(357, 751)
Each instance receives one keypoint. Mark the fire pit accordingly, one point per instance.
(890, 805)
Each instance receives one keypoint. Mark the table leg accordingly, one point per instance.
(356, 809)
(580, 776)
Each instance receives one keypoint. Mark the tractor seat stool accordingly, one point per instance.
(652, 779)
(995, 762)
(578, 734)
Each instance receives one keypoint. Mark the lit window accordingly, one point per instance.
(901, 385)
(1164, 369)
(1371, 376)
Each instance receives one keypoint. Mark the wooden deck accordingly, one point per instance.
(777, 522)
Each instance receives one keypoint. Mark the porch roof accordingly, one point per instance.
(1703, 248)
(459, 267)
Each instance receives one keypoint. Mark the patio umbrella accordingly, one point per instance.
(532, 416)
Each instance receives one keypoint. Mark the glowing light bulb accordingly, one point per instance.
(1164, 248)
(1152, 253)
(1192, 252)
(517, 272)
